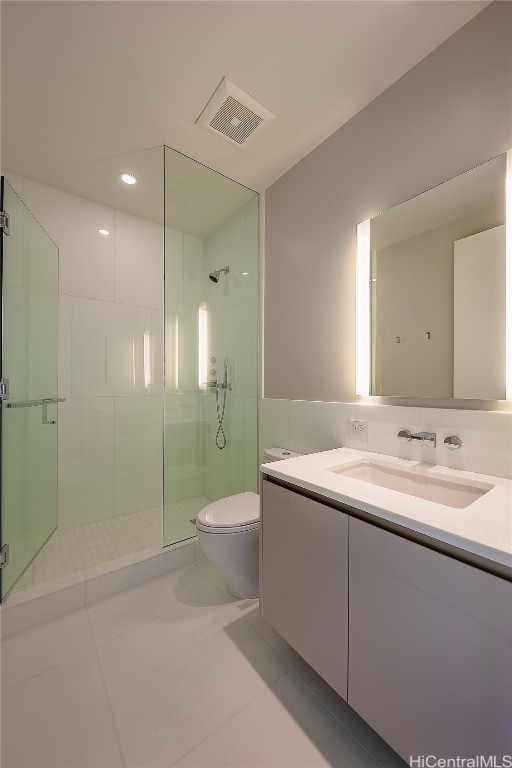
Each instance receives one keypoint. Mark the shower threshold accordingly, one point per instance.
(89, 562)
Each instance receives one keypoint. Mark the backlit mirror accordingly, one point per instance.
(432, 323)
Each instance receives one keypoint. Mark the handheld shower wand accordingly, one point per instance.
(220, 437)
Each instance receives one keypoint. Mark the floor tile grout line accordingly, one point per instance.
(107, 696)
(289, 666)
(317, 697)
(41, 623)
(48, 669)
(95, 642)
(268, 686)
(99, 643)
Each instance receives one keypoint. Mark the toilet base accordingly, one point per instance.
(236, 555)
(243, 590)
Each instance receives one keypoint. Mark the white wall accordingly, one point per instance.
(449, 113)
(110, 300)
(309, 426)
(429, 126)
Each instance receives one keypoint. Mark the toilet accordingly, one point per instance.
(228, 531)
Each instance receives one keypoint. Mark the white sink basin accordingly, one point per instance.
(423, 484)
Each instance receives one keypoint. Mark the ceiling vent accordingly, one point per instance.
(234, 115)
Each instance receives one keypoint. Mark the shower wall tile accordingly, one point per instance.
(242, 345)
(173, 270)
(225, 468)
(114, 349)
(250, 272)
(170, 358)
(86, 258)
(86, 460)
(251, 444)
(157, 352)
(65, 344)
(129, 346)
(226, 247)
(192, 447)
(217, 339)
(194, 268)
(235, 243)
(139, 261)
(187, 335)
(173, 449)
(138, 454)
(91, 346)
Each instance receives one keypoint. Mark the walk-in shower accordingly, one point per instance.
(211, 331)
(117, 282)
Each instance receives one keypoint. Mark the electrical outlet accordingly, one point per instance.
(358, 428)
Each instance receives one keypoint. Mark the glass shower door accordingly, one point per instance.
(29, 286)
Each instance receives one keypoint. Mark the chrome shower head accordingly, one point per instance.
(214, 276)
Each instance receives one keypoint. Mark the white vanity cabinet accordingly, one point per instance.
(304, 577)
(430, 648)
(423, 639)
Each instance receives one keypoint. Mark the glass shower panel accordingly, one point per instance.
(211, 332)
(29, 411)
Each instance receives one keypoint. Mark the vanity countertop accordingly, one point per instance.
(484, 528)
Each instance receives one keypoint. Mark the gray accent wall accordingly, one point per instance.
(446, 115)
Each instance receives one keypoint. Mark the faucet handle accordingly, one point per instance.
(424, 438)
(452, 442)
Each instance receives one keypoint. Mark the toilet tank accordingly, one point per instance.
(278, 454)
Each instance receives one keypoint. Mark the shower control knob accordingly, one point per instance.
(213, 371)
(213, 359)
(452, 442)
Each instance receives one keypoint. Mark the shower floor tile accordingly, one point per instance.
(72, 550)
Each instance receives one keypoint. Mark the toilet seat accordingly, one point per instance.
(218, 529)
(232, 514)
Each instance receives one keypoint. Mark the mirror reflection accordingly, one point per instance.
(438, 290)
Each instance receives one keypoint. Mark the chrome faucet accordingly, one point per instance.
(424, 438)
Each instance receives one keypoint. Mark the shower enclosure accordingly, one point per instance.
(211, 329)
(29, 282)
(151, 412)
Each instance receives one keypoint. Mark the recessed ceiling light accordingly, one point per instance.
(104, 232)
(128, 178)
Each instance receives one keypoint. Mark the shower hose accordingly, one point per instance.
(220, 438)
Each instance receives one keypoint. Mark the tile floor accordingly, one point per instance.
(174, 672)
(71, 550)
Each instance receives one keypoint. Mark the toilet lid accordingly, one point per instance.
(240, 509)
